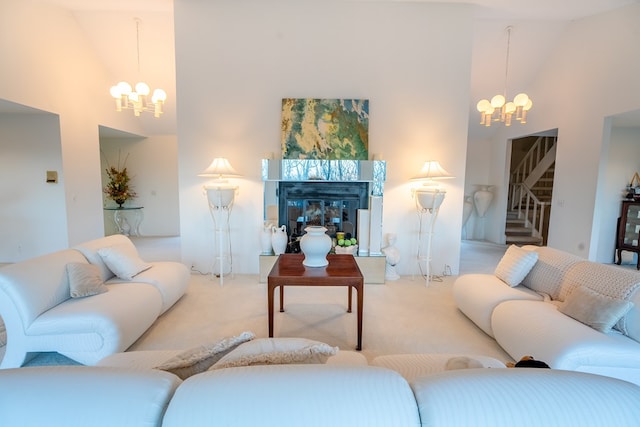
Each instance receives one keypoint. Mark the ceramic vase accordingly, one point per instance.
(482, 199)
(265, 239)
(279, 239)
(315, 245)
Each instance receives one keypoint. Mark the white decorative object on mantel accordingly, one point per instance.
(315, 245)
(279, 239)
(392, 255)
(350, 250)
(375, 225)
(265, 238)
(363, 232)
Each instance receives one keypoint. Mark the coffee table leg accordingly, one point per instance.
(270, 289)
(281, 299)
(350, 296)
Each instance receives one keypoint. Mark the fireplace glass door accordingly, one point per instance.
(333, 205)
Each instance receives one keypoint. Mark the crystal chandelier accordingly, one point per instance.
(137, 100)
(498, 109)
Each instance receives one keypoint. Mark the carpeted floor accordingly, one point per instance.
(403, 316)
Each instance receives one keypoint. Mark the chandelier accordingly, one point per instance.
(138, 99)
(498, 109)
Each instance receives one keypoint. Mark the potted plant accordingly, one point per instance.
(118, 188)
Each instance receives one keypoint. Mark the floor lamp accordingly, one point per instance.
(428, 199)
(220, 197)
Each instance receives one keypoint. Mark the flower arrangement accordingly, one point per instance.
(118, 188)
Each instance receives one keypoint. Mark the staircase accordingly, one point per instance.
(531, 188)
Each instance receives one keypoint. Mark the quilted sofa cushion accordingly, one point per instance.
(610, 281)
(84, 396)
(547, 274)
(545, 397)
(294, 395)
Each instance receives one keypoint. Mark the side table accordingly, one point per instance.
(127, 219)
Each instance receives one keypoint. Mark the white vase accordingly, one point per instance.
(482, 199)
(279, 239)
(315, 245)
(265, 239)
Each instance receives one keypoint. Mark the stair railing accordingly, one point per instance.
(529, 208)
(534, 156)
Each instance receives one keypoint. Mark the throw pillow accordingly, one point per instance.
(84, 280)
(515, 264)
(123, 260)
(199, 359)
(593, 309)
(275, 351)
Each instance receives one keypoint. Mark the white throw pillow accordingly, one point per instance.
(593, 309)
(276, 351)
(515, 265)
(123, 260)
(84, 280)
(199, 359)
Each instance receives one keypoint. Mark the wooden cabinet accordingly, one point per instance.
(628, 233)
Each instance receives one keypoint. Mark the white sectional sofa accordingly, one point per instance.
(313, 395)
(40, 314)
(530, 317)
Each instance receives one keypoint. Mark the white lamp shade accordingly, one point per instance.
(432, 170)
(219, 167)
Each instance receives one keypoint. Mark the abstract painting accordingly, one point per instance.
(328, 129)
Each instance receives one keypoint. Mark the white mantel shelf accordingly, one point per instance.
(372, 268)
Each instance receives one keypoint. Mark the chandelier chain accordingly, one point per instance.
(499, 109)
(138, 100)
(506, 66)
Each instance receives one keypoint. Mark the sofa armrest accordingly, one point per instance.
(538, 329)
(478, 294)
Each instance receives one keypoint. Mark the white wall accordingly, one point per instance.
(235, 62)
(591, 74)
(31, 207)
(152, 164)
(48, 65)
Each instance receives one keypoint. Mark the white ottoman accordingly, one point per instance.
(412, 366)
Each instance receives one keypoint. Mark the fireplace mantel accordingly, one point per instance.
(373, 171)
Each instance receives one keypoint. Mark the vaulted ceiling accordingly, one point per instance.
(111, 29)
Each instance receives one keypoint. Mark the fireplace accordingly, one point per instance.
(299, 193)
(333, 205)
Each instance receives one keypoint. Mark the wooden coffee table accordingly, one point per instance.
(341, 271)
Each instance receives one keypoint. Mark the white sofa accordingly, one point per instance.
(41, 316)
(313, 395)
(526, 319)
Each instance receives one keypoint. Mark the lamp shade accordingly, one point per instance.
(219, 168)
(432, 170)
